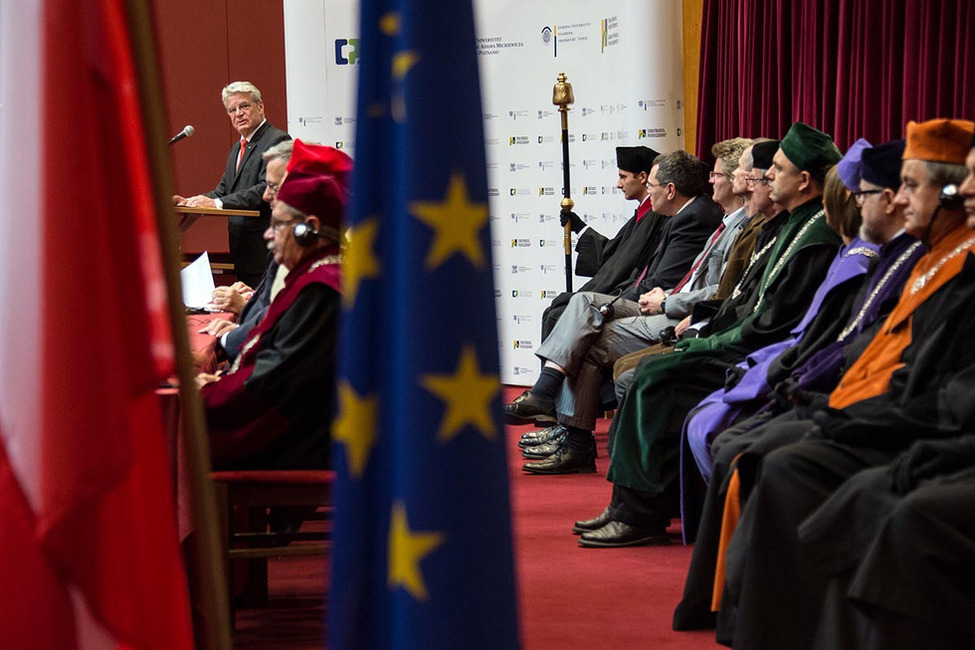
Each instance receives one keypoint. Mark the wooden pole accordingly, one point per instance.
(213, 581)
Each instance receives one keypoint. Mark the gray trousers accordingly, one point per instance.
(585, 345)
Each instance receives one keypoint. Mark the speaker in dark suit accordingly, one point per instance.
(243, 182)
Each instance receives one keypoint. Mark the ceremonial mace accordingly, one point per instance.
(562, 97)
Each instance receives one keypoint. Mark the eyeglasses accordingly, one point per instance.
(277, 225)
(861, 196)
(649, 184)
(714, 175)
(757, 179)
(242, 107)
(273, 187)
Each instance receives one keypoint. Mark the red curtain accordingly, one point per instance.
(853, 68)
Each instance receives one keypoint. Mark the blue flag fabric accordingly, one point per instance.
(422, 553)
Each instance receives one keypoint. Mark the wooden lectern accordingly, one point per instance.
(187, 216)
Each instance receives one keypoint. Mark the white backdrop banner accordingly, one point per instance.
(623, 59)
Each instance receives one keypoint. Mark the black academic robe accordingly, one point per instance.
(273, 410)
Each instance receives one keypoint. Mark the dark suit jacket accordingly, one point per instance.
(684, 236)
(243, 189)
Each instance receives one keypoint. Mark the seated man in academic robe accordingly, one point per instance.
(273, 408)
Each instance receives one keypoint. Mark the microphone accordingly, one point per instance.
(185, 133)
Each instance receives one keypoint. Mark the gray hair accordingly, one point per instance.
(729, 152)
(688, 174)
(237, 87)
(280, 151)
(942, 173)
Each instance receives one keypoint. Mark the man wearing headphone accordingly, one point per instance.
(894, 394)
(273, 409)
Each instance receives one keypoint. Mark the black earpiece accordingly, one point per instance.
(304, 234)
(950, 198)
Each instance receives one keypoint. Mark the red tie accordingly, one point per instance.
(700, 259)
(240, 156)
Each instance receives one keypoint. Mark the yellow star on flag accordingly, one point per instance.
(360, 261)
(406, 550)
(355, 427)
(467, 396)
(456, 223)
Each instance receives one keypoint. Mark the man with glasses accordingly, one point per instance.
(273, 408)
(250, 304)
(895, 393)
(244, 180)
(677, 183)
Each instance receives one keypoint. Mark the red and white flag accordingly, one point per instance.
(89, 556)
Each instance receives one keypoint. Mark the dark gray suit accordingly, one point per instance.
(243, 189)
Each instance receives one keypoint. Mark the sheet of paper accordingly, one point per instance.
(197, 281)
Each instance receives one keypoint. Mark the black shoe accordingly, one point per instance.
(616, 534)
(528, 407)
(540, 437)
(595, 523)
(544, 450)
(566, 460)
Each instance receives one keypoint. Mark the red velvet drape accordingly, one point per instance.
(854, 68)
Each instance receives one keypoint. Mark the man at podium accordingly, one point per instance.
(244, 180)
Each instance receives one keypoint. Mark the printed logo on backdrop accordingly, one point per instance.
(651, 103)
(520, 293)
(543, 218)
(550, 268)
(523, 344)
(544, 114)
(546, 164)
(495, 243)
(518, 112)
(522, 319)
(610, 33)
(518, 370)
(546, 35)
(492, 45)
(346, 51)
(518, 139)
(517, 167)
(340, 120)
(518, 217)
(310, 119)
(548, 294)
(589, 190)
(521, 243)
(548, 242)
(515, 269)
(651, 133)
(565, 35)
(493, 191)
(519, 191)
(546, 139)
(546, 191)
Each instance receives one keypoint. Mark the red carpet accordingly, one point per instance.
(569, 597)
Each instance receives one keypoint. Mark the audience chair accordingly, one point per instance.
(244, 499)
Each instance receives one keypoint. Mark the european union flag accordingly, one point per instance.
(422, 554)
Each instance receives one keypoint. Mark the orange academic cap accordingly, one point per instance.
(940, 140)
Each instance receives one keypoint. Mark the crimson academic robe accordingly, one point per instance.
(274, 408)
